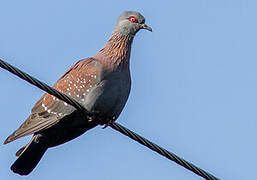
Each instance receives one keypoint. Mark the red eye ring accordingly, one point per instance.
(133, 19)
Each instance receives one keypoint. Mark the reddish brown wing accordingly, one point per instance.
(76, 82)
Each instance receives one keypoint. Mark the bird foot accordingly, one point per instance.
(108, 123)
(92, 117)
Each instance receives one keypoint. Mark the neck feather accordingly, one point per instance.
(116, 52)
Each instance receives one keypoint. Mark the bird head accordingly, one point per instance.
(130, 22)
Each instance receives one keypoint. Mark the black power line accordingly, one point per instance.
(116, 126)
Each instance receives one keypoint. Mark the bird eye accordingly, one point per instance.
(133, 19)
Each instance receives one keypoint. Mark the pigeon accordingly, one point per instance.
(100, 83)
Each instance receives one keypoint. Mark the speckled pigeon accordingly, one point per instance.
(101, 83)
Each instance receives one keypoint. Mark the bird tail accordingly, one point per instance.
(29, 156)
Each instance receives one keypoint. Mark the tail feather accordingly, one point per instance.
(29, 157)
(21, 150)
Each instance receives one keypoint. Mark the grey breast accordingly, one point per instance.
(109, 96)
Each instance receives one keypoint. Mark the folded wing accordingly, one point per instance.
(49, 110)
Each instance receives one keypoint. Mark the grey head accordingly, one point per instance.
(130, 22)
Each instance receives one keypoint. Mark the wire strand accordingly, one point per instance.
(42, 86)
(116, 126)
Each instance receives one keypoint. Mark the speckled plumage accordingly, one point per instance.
(101, 83)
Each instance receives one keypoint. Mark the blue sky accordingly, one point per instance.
(194, 86)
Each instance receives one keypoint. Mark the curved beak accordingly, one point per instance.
(144, 26)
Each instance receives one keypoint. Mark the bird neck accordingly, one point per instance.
(116, 52)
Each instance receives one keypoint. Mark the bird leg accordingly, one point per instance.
(92, 117)
(110, 122)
